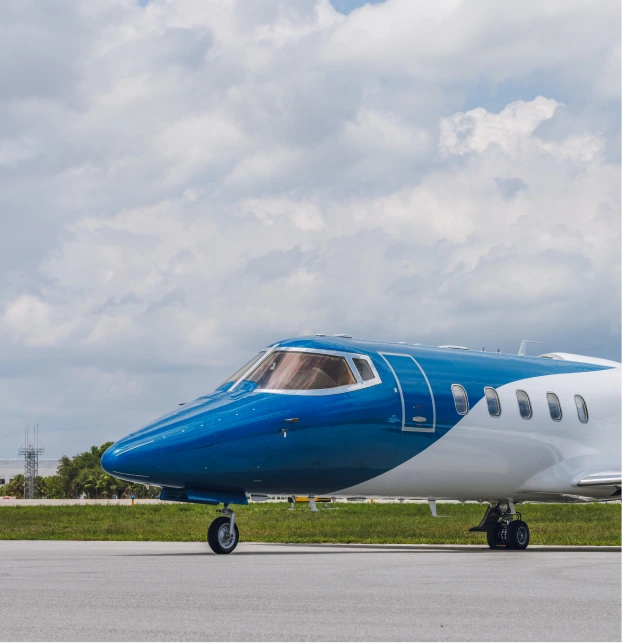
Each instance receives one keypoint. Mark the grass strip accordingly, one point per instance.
(553, 524)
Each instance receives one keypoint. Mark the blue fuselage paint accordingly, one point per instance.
(238, 441)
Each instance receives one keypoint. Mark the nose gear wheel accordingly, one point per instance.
(220, 537)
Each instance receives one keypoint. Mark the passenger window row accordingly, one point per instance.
(461, 400)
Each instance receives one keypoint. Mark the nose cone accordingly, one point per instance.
(107, 460)
(134, 460)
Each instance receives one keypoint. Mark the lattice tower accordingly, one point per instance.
(31, 452)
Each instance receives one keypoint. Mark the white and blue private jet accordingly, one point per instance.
(336, 416)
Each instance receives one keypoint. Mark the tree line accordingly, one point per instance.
(80, 476)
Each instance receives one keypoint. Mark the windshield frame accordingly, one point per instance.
(248, 367)
(360, 384)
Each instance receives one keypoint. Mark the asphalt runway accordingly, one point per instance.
(141, 591)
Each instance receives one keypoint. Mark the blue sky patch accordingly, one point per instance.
(348, 6)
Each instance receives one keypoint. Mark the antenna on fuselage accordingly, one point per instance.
(522, 351)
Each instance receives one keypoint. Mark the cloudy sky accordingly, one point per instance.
(183, 182)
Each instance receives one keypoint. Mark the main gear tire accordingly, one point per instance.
(518, 535)
(494, 536)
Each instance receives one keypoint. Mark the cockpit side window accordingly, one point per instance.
(302, 371)
(238, 374)
(364, 369)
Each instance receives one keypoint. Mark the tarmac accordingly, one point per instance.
(137, 591)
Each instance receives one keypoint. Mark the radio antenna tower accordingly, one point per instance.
(31, 452)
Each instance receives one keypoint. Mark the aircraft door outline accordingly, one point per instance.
(415, 428)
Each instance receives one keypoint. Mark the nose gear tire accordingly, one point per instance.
(219, 537)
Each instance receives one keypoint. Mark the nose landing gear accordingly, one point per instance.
(223, 535)
(502, 531)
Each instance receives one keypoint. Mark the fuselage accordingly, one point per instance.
(381, 419)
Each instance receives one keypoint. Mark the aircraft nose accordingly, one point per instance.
(136, 460)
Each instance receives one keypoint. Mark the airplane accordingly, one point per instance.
(337, 416)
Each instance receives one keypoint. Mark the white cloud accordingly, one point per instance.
(305, 216)
(33, 322)
(373, 132)
(477, 129)
(206, 177)
(512, 130)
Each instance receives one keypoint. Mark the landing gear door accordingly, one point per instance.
(418, 408)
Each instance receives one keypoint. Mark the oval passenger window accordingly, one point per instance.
(524, 405)
(492, 399)
(555, 408)
(581, 409)
(460, 399)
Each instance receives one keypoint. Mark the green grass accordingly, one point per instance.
(595, 524)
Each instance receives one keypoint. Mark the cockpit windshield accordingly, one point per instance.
(301, 371)
(238, 374)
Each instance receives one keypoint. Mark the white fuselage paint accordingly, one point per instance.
(484, 457)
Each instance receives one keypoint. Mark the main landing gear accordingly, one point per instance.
(502, 531)
(223, 535)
